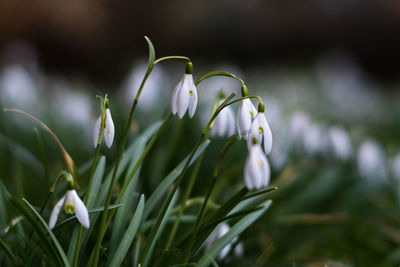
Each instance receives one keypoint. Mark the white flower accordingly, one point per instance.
(246, 113)
(220, 232)
(340, 143)
(260, 130)
(224, 122)
(109, 130)
(73, 204)
(257, 170)
(371, 160)
(184, 97)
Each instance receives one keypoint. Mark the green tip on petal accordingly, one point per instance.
(189, 68)
(245, 91)
(261, 107)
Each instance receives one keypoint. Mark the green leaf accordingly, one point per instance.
(160, 230)
(234, 231)
(167, 181)
(15, 260)
(96, 182)
(152, 55)
(126, 241)
(46, 236)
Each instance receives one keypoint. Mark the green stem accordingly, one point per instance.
(179, 180)
(103, 229)
(78, 242)
(227, 145)
(137, 165)
(188, 191)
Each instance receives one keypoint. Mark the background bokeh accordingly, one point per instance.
(327, 71)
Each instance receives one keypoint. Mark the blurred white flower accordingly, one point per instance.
(396, 166)
(224, 123)
(152, 90)
(340, 143)
(257, 170)
(17, 87)
(278, 156)
(298, 124)
(108, 132)
(315, 139)
(246, 113)
(220, 232)
(184, 97)
(371, 160)
(261, 131)
(73, 105)
(72, 204)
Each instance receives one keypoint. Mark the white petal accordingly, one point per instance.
(174, 102)
(252, 171)
(55, 212)
(96, 131)
(267, 133)
(254, 132)
(109, 130)
(231, 122)
(243, 119)
(81, 211)
(183, 97)
(193, 97)
(222, 122)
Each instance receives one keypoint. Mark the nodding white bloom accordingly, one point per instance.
(184, 96)
(72, 204)
(246, 113)
(108, 132)
(220, 232)
(257, 170)
(224, 122)
(340, 143)
(371, 161)
(260, 130)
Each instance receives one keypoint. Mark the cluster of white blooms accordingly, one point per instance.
(221, 230)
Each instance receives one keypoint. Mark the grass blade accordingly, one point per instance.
(129, 235)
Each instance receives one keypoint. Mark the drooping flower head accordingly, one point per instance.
(72, 204)
(260, 130)
(224, 123)
(246, 113)
(257, 170)
(184, 96)
(108, 131)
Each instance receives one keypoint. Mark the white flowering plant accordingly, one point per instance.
(104, 216)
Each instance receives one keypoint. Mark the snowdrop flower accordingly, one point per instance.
(315, 139)
(257, 170)
(340, 143)
(108, 130)
(246, 113)
(184, 96)
(261, 131)
(298, 125)
(224, 122)
(72, 204)
(220, 232)
(371, 160)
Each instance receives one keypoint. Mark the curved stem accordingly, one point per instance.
(171, 57)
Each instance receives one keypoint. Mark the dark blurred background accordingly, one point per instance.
(100, 39)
